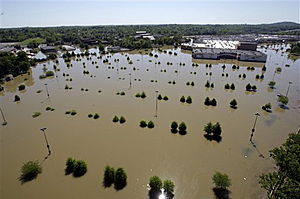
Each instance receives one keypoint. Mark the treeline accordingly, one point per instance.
(295, 49)
(109, 34)
(14, 64)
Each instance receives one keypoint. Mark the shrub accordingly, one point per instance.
(182, 99)
(150, 125)
(122, 93)
(192, 84)
(17, 98)
(30, 170)
(96, 116)
(49, 73)
(159, 97)
(221, 180)
(182, 127)
(122, 120)
(188, 83)
(115, 119)
(212, 85)
(166, 98)
(207, 84)
(207, 101)
(244, 75)
(21, 87)
(70, 165)
(143, 124)
(120, 179)
(155, 183)
(233, 103)
(272, 84)
(213, 102)
(208, 128)
(90, 115)
(169, 186)
(226, 86)
(80, 168)
(257, 76)
(138, 95)
(143, 95)
(36, 114)
(73, 112)
(283, 99)
(217, 130)
(189, 100)
(232, 87)
(253, 88)
(267, 107)
(248, 87)
(174, 125)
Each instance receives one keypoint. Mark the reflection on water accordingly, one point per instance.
(189, 160)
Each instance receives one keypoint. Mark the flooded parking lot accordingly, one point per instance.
(188, 160)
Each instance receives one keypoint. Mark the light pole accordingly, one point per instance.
(288, 89)
(156, 92)
(47, 90)
(253, 129)
(130, 80)
(48, 146)
(4, 120)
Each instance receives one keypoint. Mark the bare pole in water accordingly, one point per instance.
(253, 129)
(156, 92)
(287, 92)
(47, 90)
(48, 146)
(4, 120)
(130, 80)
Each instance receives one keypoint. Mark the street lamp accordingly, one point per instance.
(48, 146)
(253, 129)
(47, 90)
(288, 89)
(156, 92)
(4, 120)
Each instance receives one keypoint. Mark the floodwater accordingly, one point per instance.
(188, 160)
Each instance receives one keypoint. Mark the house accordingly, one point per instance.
(48, 49)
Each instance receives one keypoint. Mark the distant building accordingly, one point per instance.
(219, 53)
(247, 46)
(68, 48)
(144, 35)
(48, 49)
(89, 41)
(8, 49)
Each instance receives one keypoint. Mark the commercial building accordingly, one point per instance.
(48, 49)
(219, 53)
(246, 46)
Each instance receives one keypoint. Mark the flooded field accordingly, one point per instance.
(188, 160)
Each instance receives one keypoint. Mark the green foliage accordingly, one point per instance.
(96, 116)
(49, 73)
(284, 182)
(109, 176)
(15, 65)
(122, 120)
(182, 127)
(115, 119)
(155, 183)
(233, 103)
(168, 187)
(143, 124)
(174, 125)
(21, 87)
(120, 179)
(90, 115)
(208, 128)
(182, 99)
(166, 98)
(207, 101)
(283, 99)
(159, 97)
(150, 125)
(295, 49)
(213, 102)
(30, 171)
(189, 100)
(221, 180)
(272, 84)
(70, 166)
(143, 95)
(36, 114)
(214, 129)
(232, 87)
(227, 86)
(248, 87)
(80, 168)
(17, 98)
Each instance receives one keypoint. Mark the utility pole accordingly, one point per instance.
(253, 129)
(130, 80)
(4, 120)
(156, 92)
(288, 89)
(47, 90)
(48, 146)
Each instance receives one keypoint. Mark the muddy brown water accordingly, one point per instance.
(188, 160)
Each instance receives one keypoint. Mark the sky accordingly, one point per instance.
(35, 13)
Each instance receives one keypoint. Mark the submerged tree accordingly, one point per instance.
(221, 181)
(169, 187)
(120, 179)
(233, 103)
(30, 171)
